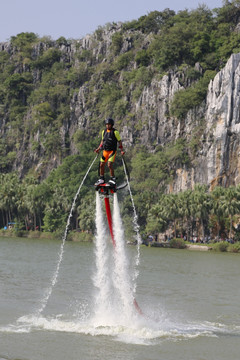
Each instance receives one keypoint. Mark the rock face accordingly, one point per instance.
(218, 159)
(223, 126)
(154, 106)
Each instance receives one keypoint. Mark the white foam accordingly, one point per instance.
(140, 332)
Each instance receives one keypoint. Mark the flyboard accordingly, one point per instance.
(107, 190)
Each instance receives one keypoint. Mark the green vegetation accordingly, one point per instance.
(151, 23)
(45, 206)
(40, 131)
(117, 41)
(199, 212)
(185, 100)
(177, 244)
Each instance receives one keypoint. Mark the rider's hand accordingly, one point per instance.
(122, 152)
(97, 150)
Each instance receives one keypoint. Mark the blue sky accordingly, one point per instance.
(76, 18)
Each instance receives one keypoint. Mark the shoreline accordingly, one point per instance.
(214, 247)
(195, 247)
(192, 247)
(176, 244)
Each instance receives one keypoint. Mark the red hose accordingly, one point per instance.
(109, 217)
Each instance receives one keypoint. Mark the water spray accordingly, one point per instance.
(45, 299)
(101, 277)
(135, 223)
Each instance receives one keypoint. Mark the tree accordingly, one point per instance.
(217, 196)
(187, 99)
(201, 205)
(35, 200)
(23, 39)
(142, 58)
(152, 22)
(185, 210)
(117, 41)
(156, 220)
(171, 210)
(19, 86)
(230, 205)
(56, 211)
(165, 211)
(9, 187)
(86, 214)
(229, 13)
(48, 58)
(42, 115)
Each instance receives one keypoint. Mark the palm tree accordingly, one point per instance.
(217, 196)
(170, 209)
(230, 205)
(185, 209)
(158, 217)
(56, 210)
(2, 200)
(9, 190)
(201, 204)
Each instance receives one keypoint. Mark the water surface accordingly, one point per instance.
(190, 302)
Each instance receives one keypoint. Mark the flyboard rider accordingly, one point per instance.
(110, 139)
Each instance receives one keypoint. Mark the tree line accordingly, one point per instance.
(45, 206)
(198, 212)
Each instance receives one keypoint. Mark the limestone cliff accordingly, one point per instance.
(222, 148)
(217, 159)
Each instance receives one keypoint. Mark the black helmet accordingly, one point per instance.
(109, 121)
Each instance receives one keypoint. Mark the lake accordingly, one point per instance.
(189, 302)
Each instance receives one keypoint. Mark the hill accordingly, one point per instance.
(170, 80)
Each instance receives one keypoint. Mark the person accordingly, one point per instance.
(110, 139)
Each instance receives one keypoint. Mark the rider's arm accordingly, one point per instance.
(99, 148)
(121, 147)
(119, 142)
(101, 145)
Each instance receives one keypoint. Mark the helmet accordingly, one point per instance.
(109, 121)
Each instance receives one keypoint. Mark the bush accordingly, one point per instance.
(33, 234)
(4, 232)
(142, 58)
(46, 61)
(235, 248)
(123, 61)
(80, 236)
(186, 99)
(152, 22)
(222, 246)
(117, 41)
(177, 244)
(20, 233)
(62, 41)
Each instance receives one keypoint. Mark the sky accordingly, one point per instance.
(74, 19)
